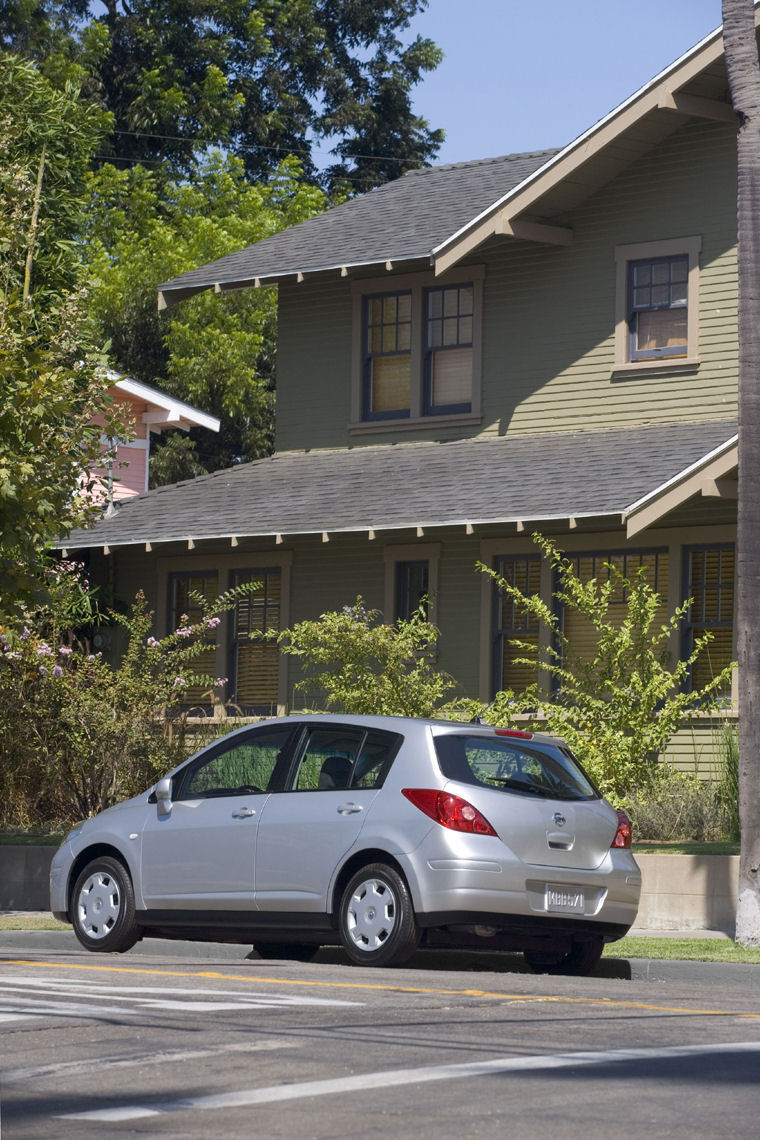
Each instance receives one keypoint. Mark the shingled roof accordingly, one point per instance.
(403, 220)
(534, 478)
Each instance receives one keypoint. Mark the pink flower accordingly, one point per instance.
(43, 671)
(213, 622)
(57, 671)
(179, 682)
(65, 651)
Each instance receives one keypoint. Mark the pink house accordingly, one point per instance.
(148, 410)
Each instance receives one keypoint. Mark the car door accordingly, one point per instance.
(200, 856)
(306, 831)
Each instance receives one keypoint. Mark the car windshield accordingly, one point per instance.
(530, 769)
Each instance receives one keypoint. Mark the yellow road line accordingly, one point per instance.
(559, 999)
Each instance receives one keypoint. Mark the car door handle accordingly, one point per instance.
(242, 813)
(349, 809)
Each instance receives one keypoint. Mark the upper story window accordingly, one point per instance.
(417, 348)
(658, 308)
(657, 316)
(387, 355)
(448, 349)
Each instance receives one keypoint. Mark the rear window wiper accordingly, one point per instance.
(520, 785)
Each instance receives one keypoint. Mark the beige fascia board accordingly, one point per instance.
(360, 529)
(492, 220)
(699, 479)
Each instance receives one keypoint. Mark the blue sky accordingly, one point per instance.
(519, 76)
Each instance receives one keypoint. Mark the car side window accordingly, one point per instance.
(327, 759)
(374, 760)
(248, 765)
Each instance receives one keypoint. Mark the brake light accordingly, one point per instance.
(513, 732)
(623, 835)
(449, 810)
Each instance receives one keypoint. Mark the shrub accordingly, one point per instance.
(677, 806)
(618, 709)
(357, 664)
(76, 733)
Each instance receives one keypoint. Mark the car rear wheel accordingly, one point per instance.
(103, 907)
(376, 920)
(290, 951)
(580, 959)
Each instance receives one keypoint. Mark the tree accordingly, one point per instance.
(264, 78)
(214, 351)
(50, 383)
(744, 79)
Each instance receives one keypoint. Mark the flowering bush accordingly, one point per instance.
(77, 733)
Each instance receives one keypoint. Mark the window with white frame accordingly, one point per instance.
(417, 348)
(657, 303)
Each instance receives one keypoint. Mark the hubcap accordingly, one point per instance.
(371, 915)
(99, 905)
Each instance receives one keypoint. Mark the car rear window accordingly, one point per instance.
(533, 769)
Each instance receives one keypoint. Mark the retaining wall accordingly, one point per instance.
(680, 892)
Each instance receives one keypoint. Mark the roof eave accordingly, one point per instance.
(701, 478)
(169, 295)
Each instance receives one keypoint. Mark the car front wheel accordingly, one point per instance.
(103, 907)
(376, 920)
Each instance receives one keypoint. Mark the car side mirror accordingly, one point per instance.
(164, 795)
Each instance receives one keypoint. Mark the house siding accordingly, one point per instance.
(549, 316)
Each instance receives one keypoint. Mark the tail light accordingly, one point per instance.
(449, 810)
(514, 732)
(623, 834)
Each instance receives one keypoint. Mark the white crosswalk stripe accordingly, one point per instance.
(24, 998)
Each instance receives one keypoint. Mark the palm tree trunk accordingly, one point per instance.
(744, 80)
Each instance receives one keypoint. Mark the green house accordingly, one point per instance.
(471, 353)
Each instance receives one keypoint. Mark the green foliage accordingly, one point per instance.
(357, 664)
(214, 351)
(263, 78)
(617, 710)
(728, 778)
(51, 382)
(77, 734)
(677, 806)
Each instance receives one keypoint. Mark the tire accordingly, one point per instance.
(103, 907)
(289, 951)
(579, 960)
(376, 919)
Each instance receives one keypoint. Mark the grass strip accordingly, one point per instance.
(683, 950)
(31, 922)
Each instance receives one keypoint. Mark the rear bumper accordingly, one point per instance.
(489, 887)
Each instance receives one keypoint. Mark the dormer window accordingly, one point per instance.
(418, 348)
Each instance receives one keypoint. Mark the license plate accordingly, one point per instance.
(566, 900)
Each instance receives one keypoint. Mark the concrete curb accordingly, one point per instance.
(739, 975)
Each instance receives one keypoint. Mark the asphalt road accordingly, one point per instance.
(149, 1044)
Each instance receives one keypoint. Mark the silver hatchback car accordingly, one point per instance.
(379, 833)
